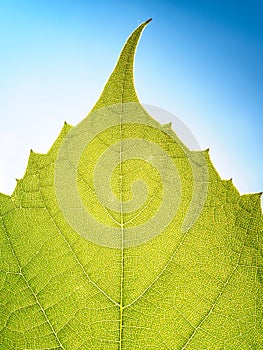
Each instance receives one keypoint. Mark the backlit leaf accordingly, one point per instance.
(120, 237)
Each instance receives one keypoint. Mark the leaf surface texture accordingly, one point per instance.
(125, 277)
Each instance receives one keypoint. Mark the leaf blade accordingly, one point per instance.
(199, 290)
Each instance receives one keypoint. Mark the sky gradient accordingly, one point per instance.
(201, 61)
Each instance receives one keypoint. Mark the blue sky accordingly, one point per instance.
(200, 60)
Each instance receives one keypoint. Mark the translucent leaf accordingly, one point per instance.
(120, 237)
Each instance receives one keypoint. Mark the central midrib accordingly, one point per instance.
(121, 211)
(122, 241)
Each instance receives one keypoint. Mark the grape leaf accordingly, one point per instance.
(122, 238)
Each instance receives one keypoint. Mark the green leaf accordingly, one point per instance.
(122, 238)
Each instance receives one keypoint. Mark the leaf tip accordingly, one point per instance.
(121, 80)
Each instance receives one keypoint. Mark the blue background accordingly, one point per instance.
(200, 60)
